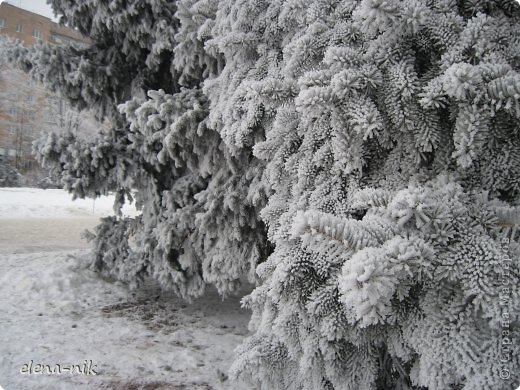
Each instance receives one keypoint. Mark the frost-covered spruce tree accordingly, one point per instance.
(391, 136)
(384, 137)
(143, 73)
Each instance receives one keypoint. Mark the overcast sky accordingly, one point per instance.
(37, 6)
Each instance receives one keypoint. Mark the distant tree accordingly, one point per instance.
(9, 176)
(377, 140)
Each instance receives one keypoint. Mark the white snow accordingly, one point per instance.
(54, 203)
(55, 310)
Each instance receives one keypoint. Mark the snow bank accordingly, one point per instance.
(53, 203)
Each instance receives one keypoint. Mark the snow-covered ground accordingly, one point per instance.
(55, 311)
(32, 219)
(19, 203)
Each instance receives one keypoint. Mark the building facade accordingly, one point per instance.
(31, 28)
(27, 109)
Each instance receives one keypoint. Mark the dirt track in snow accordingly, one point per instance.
(44, 235)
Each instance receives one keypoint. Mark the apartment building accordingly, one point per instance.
(27, 109)
(30, 28)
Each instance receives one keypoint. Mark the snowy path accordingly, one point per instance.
(45, 234)
(54, 310)
(33, 220)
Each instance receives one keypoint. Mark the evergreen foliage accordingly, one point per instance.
(200, 204)
(391, 145)
(377, 140)
(9, 176)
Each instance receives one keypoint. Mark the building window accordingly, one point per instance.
(13, 111)
(11, 130)
(37, 33)
(56, 39)
(30, 115)
(30, 99)
(2, 22)
(19, 28)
